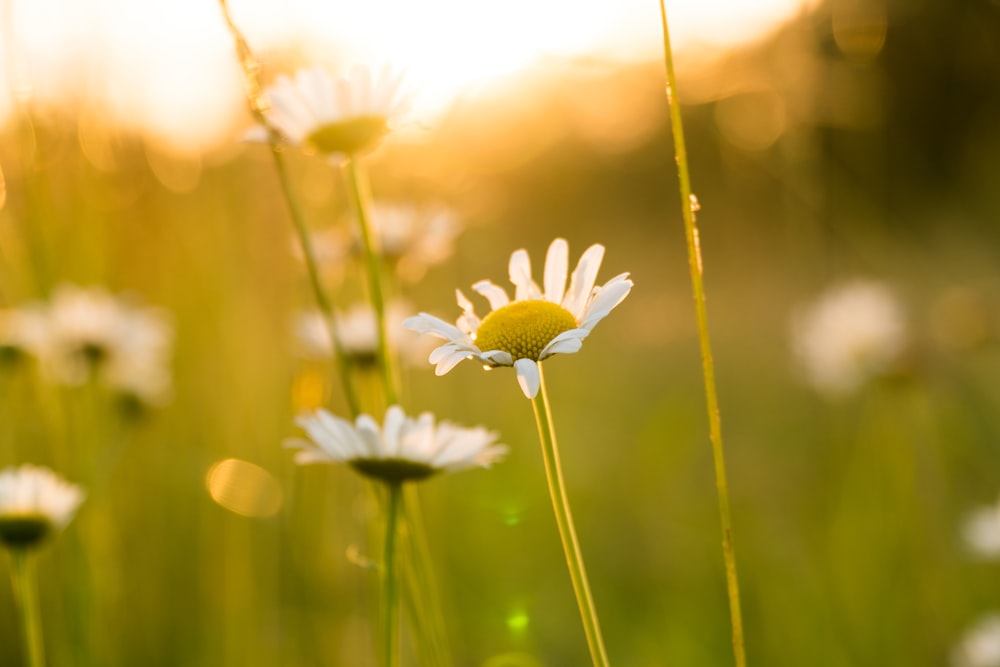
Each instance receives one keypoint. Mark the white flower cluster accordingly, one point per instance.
(84, 333)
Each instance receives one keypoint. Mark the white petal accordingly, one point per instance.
(581, 283)
(528, 376)
(424, 323)
(496, 295)
(497, 358)
(607, 297)
(455, 358)
(567, 342)
(556, 268)
(520, 275)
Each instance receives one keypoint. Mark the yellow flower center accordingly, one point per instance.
(348, 136)
(523, 328)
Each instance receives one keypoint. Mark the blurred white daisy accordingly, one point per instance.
(414, 238)
(358, 331)
(336, 117)
(980, 644)
(92, 333)
(536, 324)
(23, 332)
(402, 449)
(409, 238)
(33, 502)
(853, 333)
(981, 532)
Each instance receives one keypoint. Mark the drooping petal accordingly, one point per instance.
(497, 358)
(556, 268)
(610, 295)
(528, 376)
(454, 358)
(496, 295)
(568, 342)
(582, 281)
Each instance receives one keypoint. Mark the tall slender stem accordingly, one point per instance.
(258, 104)
(26, 594)
(428, 617)
(390, 606)
(362, 204)
(564, 520)
(688, 207)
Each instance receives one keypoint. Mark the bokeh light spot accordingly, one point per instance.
(244, 488)
(517, 621)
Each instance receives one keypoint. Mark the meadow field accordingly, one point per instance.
(846, 168)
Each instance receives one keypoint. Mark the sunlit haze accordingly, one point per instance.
(168, 68)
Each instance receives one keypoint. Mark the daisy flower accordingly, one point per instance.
(33, 501)
(980, 645)
(91, 331)
(853, 333)
(981, 532)
(402, 449)
(23, 332)
(336, 117)
(538, 323)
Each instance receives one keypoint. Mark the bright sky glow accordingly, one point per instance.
(167, 66)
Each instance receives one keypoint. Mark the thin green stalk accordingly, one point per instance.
(564, 520)
(422, 585)
(361, 198)
(26, 594)
(258, 105)
(688, 207)
(390, 606)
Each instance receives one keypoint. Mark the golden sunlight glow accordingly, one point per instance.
(168, 68)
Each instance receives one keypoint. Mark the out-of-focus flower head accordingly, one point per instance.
(409, 238)
(536, 324)
(336, 117)
(23, 332)
(92, 333)
(358, 332)
(414, 238)
(402, 449)
(851, 334)
(34, 502)
(980, 645)
(981, 532)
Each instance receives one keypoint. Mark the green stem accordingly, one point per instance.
(362, 205)
(390, 607)
(312, 269)
(257, 104)
(688, 207)
(422, 585)
(26, 593)
(564, 520)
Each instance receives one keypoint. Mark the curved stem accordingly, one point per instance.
(564, 520)
(26, 593)
(362, 200)
(688, 207)
(257, 104)
(390, 607)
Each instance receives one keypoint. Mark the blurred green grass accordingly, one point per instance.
(847, 512)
